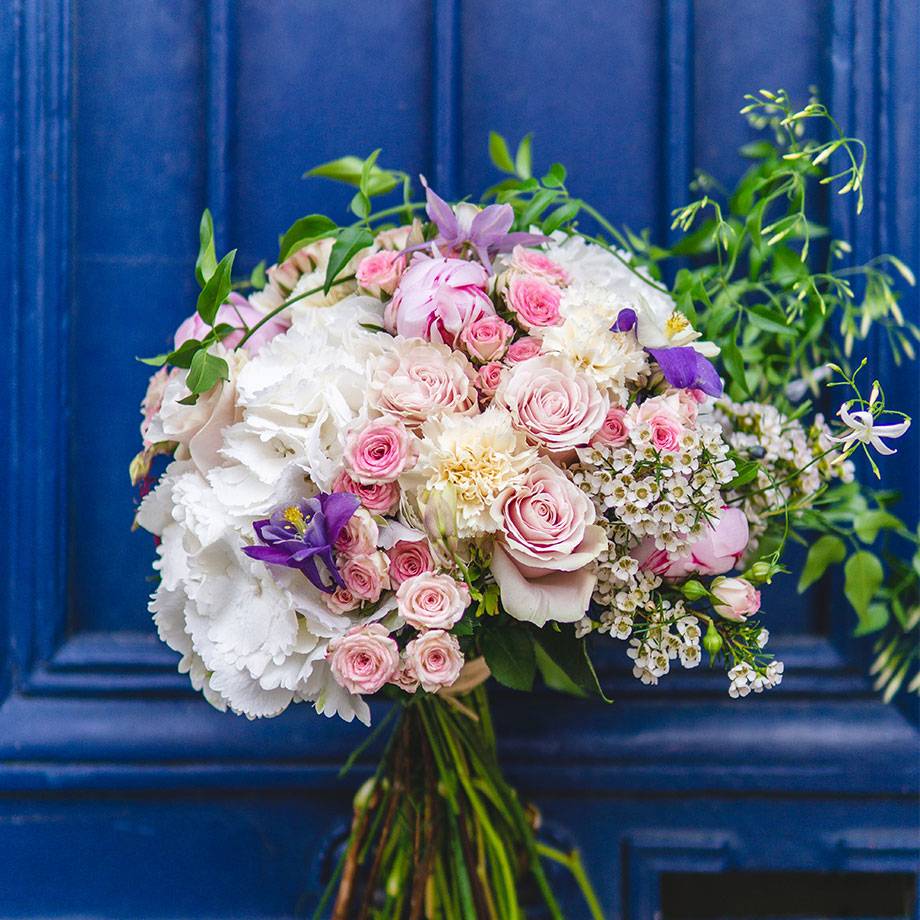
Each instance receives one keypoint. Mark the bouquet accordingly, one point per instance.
(449, 442)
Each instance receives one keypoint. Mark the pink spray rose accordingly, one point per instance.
(558, 406)
(409, 558)
(735, 598)
(237, 312)
(364, 659)
(486, 339)
(380, 451)
(366, 576)
(535, 263)
(522, 349)
(489, 377)
(379, 273)
(341, 600)
(614, 431)
(436, 659)
(405, 678)
(534, 302)
(432, 601)
(359, 536)
(665, 416)
(377, 497)
(436, 298)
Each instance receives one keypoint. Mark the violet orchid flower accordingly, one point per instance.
(297, 536)
(683, 367)
(486, 229)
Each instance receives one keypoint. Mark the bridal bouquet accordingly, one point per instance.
(452, 441)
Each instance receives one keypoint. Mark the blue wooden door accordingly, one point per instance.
(123, 795)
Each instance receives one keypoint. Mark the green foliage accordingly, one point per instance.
(823, 552)
(508, 650)
(303, 231)
(206, 262)
(349, 242)
(216, 289)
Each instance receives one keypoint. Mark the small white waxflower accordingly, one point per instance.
(690, 656)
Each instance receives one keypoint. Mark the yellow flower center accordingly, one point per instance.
(675, 323)
(293, 515)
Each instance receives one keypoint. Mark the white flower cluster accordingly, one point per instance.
(745, 679)
(670, 634)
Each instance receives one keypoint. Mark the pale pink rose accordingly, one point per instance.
(533, 262)
(405, 678)
(414, 380)
(489, 377)
(436, 659)
(534, 302)
(614, 432)
(379, 451)
(558, 406)
(432, 601)
(487, 338)
(364, 659)
(379, 273)
(366, 576)
(377, 497)
(666, 417)
(359, 536)
(153, 400)
(341, 600)
(717, 551)
(523, 349)
(736, 599)
(237, 312)
(690, 402)
(547, 523)
(436, 298)
(409, 558)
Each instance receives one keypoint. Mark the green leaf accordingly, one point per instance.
(218, 288)
(556, 176)
(570, 655)
(523, 160)
(499, 153)
(205, 370)
(745, 472)
(827, 550)
(869, 523)
(350, 170)
(258, 278)
(554, 677)
(876, 618)
(763, 318)
(559, 216)
(360, 205)
(508, 650)
(304, 231)
(863, 576)
(156, 360)
(350, 240)
(367, 172)
(535, 207)
(206, 263)
(734, 364)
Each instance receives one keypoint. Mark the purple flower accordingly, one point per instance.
(626, 320)
(686, 369)
(485, 230)
(297, 536)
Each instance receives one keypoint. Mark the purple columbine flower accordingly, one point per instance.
(300, 535)
(486, 231)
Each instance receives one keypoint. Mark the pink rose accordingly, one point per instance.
(405, 678)
(359, 536)
(736, 599)
(341, 600)
(436, 659)
(377, 497)
(414, 380)
(487, 338)
(558, 406)
(366, 576)
(614, 431)
(523, 349)
(665, 416)
(535, 303)
(489, 377)
(431, 601)
(379, 273)
(364, 659)
(533, 262)
(396, 238)
(153, 400)
(380, 451)
(238, 311)
(409, 558)
(436, 298)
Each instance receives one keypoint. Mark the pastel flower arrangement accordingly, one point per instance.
(421, 453)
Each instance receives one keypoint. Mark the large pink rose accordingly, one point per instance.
(432, 601)
(558, 406)
(377, 497)
(409, 558)
(436, 298)
(535, 302)
(380, 451)
(238, 311)
(486, 338)
(364, 659)
(414, 380)
(435, 658)
(717, 551)
(533, 262)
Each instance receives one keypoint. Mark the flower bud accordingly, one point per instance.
(693, 590)
(735, 599)
(712, 641)
(759, 572)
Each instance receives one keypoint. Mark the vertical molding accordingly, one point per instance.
(678, 149)
(219, 57)
(446, 80)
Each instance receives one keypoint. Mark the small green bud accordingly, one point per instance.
(712, 641)
(759, 572)
(363, 795)
(693, 590)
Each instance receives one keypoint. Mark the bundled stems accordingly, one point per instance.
(438, 833)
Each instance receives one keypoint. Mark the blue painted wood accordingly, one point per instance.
(113, 136)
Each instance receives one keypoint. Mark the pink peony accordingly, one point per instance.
(614, 432)
(432, 601)
(535, 263)
(735, 598)
(379, 451)
(359, 536)
(486, 339)
(523, 349)
(489, 377)
(436, 298)
(377, 497)
(409, 558)
(364, 659)
(366, 576)
(436, 659)
(535, 303)
(558, 406)
(238, 311)
(379, 273)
